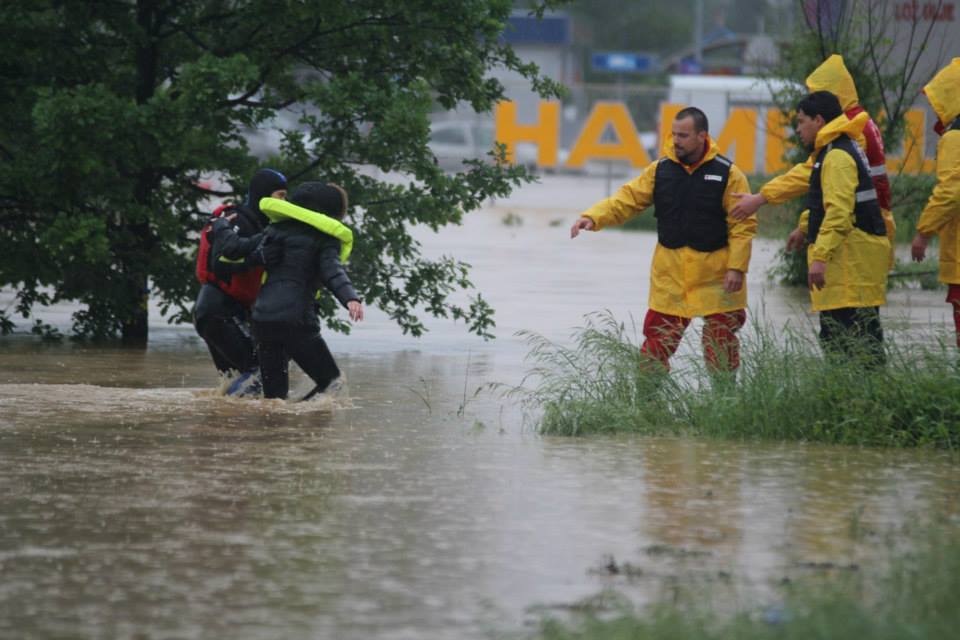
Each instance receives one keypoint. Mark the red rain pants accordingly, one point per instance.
(953, 297)
(721, 348)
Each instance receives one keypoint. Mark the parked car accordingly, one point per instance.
(454, 141)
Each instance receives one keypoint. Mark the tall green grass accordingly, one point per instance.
(785, 390)
(915, 597)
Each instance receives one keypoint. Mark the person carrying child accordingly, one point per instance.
(229, 287)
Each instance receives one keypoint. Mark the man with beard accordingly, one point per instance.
(702, 254)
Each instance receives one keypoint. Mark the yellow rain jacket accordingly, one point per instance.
(857, 261)
(830, 76)
(941, 216)
(685, 282)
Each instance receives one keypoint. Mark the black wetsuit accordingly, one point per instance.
(222, 321)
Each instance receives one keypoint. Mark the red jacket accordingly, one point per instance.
(875, 158)
(241, 284)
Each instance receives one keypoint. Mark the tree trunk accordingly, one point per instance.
(136, 328)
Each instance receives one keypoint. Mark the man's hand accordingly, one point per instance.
(747, 205)
(733, 281)
(815, 279)
(796, 240)
(918, 248)
(581, 223)
(355, 307)
(219, 224)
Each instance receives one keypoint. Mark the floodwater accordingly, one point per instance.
(135, 503)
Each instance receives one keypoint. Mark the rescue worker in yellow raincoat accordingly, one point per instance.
(848, 254)
(830, 76)
(941, 216)
(702, 253)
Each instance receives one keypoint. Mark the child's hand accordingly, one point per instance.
(355, 307)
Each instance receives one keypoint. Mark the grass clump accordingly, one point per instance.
(785, 390)
(924, 275)
(915, 597)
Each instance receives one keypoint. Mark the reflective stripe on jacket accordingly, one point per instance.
(866, 210)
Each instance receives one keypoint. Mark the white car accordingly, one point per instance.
(454, 141)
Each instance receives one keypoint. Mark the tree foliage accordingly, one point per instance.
(883, 57)
(886, 58)
(116, 115)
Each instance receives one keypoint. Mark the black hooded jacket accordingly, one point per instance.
(310, 260)
(226, 243)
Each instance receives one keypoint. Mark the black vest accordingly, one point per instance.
(689, 206)
(866, 210)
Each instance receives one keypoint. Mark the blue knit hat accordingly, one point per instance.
(264, 183)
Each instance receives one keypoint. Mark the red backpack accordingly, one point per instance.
(242, 287)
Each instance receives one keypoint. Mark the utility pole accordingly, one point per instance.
(698, 31)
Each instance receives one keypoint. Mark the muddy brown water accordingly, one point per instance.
(135, 503)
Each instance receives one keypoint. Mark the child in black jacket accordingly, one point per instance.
(307, 242)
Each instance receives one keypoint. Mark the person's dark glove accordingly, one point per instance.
(219, 224)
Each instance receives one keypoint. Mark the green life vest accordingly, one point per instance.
(278, 210)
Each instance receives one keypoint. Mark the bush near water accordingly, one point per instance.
(784, 390)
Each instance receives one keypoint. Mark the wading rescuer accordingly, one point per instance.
(222, 311)
(941, 216)
(830, 76)
(848, 252)
(313, 244)
(702, 253)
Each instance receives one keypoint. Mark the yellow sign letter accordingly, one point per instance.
(740, 130)
(588, 145)
(544, 133)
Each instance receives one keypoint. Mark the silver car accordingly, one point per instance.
(454, 141)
